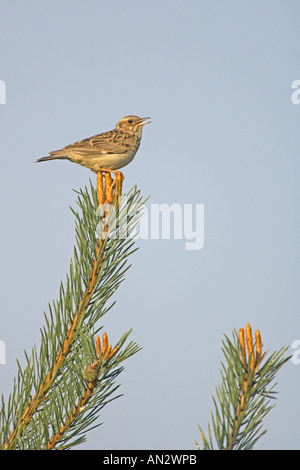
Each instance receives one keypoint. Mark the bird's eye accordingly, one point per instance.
(130, 121)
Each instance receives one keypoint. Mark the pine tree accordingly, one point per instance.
(71, 376)
(58, 395)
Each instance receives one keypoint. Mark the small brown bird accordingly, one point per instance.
(109, 151)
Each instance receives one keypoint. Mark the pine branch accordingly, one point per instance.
(91, 375)
(55, 372)
(243, 398)
(61, 356)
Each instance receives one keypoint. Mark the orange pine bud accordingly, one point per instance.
(242, 343)
(258, 346)
(104, 343)
(98, 346)
(249, 344)
(107, 353)
(114, 352)
(100, 189)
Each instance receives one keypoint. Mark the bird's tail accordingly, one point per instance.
(50, 157)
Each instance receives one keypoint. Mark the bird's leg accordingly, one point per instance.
(116, 172)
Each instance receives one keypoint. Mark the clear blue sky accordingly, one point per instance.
(215, 77)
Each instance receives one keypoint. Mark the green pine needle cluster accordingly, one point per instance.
(242, 400)
(49, 387)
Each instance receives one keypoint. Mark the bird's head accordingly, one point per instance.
(132, 124)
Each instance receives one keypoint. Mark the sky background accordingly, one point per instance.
(216, 78)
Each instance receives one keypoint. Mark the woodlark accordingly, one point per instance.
(109, 151)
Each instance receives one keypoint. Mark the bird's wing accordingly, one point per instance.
(106, 143)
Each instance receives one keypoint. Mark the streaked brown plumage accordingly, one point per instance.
(108, 151)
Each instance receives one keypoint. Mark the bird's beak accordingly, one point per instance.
(142, 123)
